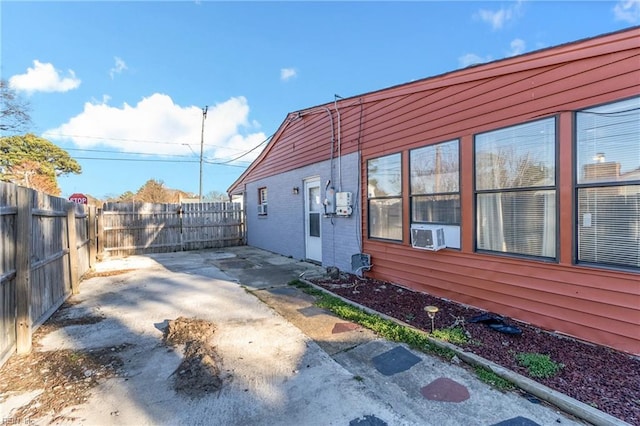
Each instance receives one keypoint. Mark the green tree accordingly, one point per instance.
(34, 162)
(14, 111)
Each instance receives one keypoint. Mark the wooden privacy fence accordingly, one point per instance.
(140, 228)
(47, 244)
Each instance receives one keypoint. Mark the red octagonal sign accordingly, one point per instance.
(78, 198)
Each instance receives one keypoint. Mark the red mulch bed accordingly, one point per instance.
(601, 377)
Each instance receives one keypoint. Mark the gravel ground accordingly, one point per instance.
(601, 377)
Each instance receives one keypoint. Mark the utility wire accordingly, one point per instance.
(134, 140)
(125, 152)
(146, 160)
(250, 151)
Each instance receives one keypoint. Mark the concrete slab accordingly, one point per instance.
(279, 366)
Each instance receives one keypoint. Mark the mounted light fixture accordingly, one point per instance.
(295, 190)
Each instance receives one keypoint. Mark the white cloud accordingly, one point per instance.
(472, 59)
(287, 74)
(628, 11)
(157, 126)
(43, 77)
(498, 18)
(518, 46)
(119, 66)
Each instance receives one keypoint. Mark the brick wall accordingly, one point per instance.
(282, 229)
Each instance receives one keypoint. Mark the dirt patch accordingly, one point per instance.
(64, 378)
(601, 377)
(61, 319)
(94, 274)
(184, 330)
(199, 373)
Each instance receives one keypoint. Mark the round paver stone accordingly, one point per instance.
(445, 390)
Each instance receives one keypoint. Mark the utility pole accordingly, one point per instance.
(204, 116)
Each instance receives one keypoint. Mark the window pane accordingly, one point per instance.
(384, 176)
(443, 209)
(516, 157)
(608, 143)
(314, 224)
(609, 225)
(521, 222)
(314, 199)
(385, 219)
(434, 169)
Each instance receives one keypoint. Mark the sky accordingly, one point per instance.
(123, 86)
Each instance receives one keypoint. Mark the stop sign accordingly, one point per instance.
(78, 198)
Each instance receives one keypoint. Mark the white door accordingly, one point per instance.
(313, 220)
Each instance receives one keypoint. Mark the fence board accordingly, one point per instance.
(8, 213)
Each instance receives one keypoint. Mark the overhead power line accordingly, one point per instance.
(136, 140)
(148, 160)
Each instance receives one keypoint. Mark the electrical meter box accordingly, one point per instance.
(343, 204)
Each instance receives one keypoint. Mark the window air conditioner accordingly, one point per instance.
(262, 209)
(427, 237)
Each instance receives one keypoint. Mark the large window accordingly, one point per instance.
(384, 183)
(515, 180)
(608, 184)
(435, 188)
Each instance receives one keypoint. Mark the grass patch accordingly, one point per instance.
(538, 365)
(383, 327)
(491, 378)
(455, 335)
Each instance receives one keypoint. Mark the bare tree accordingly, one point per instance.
(14, 110)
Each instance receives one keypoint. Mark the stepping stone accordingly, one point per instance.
(517, 421)
(367, 421)
(311, 311)
(284, 291)
(394, 361)
(342, 327)
(445, 390)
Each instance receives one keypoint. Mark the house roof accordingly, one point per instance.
(590, 47)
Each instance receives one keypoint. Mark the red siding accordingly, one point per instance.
(602, 306)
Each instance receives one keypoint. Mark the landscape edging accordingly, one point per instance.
(566, 403)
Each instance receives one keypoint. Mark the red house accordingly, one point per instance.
(511, 186)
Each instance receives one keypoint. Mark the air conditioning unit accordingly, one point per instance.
(427, 237)
(262, 209)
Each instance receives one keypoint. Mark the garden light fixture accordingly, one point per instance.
(431, 312)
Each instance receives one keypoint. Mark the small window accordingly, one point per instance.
(515, 182)
(262, 201)
(384, 183)
(435, 188)
(608, 184)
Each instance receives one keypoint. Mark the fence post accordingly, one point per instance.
(23, 270)
(73, 248)
(100, 234)
(91, 223)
